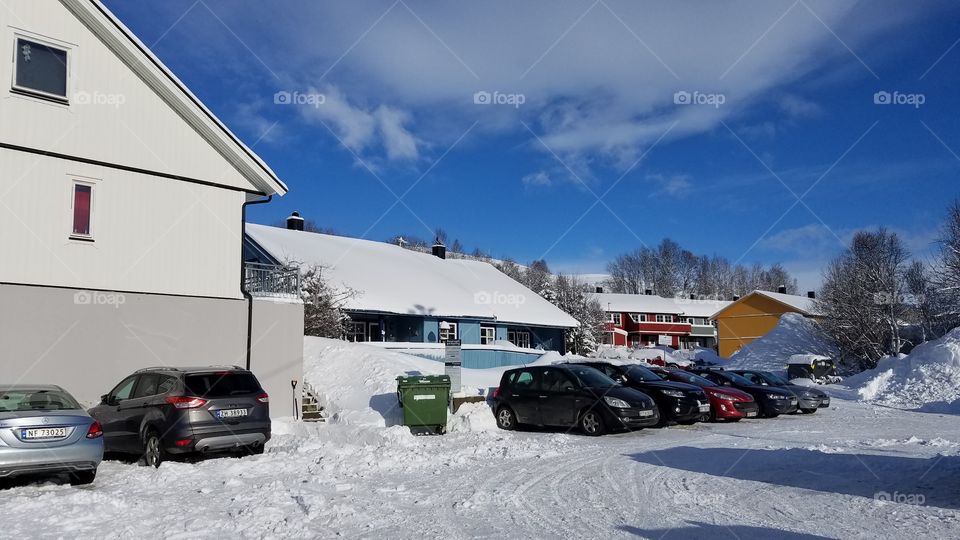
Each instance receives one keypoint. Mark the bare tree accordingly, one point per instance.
(323, 314)
(572, 298)
(862, 298)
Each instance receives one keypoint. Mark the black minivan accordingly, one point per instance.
(569, 395)
(160, 411)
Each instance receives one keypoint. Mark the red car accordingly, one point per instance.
(725, 403)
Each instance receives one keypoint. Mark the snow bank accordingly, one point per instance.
(357, 383)
(643, 354)
(794, 334)
(927, 379)
(472, 417)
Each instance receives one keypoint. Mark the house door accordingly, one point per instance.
(374, 334)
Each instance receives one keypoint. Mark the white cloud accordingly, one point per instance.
(676, 185)
(798, 107)
(597, 82)
(537, 179)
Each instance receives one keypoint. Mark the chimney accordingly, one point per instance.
(439, 250)
(295, 222)
(782, 289)
(648, 292)
(599, 289)
(811, 294)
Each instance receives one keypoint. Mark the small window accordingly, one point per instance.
(664, 318)
(638, 317)
(450, 332)
(357, 331)
(488, 335)
(82, 209)
(524, 379)
(518, 338)
(41, 69)
(614, 318)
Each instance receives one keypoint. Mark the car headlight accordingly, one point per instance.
(726, 397)
(672, 393)
(615, 402)
(776, 396)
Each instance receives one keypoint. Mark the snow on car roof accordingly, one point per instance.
(391, 279)
(651, 303)
(806, 359)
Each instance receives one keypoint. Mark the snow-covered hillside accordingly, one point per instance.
(927, 379)
(794, 334)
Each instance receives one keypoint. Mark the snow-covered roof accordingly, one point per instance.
(158, 76)
(646, 303)
(390, 279)
(803, 304)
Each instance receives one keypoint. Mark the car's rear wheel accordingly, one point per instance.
(153, 454)
(82, 478)
(506, 419)
(591, 423)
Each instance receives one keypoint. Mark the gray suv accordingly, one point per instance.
(158, 412)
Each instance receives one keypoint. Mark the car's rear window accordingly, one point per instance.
(36, 400)
(217, 385)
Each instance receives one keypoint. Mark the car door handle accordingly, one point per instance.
(544, 397)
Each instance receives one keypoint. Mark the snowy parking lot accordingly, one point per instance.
(854, 470)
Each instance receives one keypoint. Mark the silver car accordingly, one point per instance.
(44, 431)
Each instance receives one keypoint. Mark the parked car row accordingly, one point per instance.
(152, 414)
(598, 396)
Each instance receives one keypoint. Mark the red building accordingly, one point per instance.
(646, 320)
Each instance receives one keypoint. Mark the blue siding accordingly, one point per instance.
(431, 330)
(483, 359)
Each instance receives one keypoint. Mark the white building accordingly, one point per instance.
(121, 213)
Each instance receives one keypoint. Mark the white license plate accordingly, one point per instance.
(43, 433)
(645, 413)
(705, 408)
(232, 413)
(751, 414)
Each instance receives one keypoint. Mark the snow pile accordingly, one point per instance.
(643, 354)
(699, 354)
(794, 334)
(927, 379)
(357, 383)
(472, 417)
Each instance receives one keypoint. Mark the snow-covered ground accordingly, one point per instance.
(855, 470)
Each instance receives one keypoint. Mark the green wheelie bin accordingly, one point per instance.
(425, 401)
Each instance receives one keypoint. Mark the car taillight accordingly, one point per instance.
(183, 442)
(496, 393)
(95, 431)
(186, 402)
(263, 398)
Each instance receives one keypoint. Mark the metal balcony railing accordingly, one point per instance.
(271, 280)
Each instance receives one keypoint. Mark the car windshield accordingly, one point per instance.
(737, 379)
(641, 374)
(592, 378)
(36, 400)
(773, 379)
(217, 385)
(690, 378)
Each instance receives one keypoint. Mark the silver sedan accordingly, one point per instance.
(44, 431)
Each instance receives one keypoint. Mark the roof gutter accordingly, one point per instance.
(243, 280)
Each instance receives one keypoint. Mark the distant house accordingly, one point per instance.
(757, 313)
(419, 299)
(121, 214)
(646, 320)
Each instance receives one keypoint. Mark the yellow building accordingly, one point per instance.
(754, 315)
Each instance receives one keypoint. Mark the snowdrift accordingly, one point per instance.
(644, 354)
(794, 334)
(928, 379)
(357, 383)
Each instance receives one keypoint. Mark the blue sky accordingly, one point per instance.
(783, 158)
